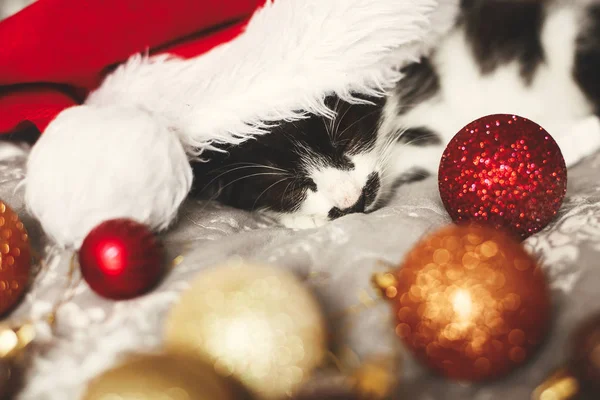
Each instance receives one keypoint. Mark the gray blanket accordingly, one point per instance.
(336, 261)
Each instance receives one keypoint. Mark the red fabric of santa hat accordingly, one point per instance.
(55, 51)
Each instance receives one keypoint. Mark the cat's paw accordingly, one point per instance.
(302, 221)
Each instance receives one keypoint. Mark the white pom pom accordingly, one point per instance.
(97, 163)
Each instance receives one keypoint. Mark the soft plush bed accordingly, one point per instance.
(336, 261)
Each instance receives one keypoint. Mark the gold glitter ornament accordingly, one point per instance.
(14, 343)
(470, 303)
(15, 258)
(561, 385)
(256, 323)
(376, 378)
(162, 377)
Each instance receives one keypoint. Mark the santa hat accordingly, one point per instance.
(125, 151)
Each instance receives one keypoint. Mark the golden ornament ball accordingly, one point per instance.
(15, 258)
(376, 378)
(470, 302)
(258, 324)
(162, 377)
(14, 354)
(560, 385)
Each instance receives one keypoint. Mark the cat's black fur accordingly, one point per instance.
(587, 57)
(424, 84)
(501, 31)
(270, 171)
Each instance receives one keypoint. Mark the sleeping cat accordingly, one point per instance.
(535, 58)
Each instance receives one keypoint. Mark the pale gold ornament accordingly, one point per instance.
(561, 385)
(14, 346)
(161, 377)
(376, 378)
(256, 323)
(14, 340)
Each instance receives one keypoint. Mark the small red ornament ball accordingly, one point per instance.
(121, 259)
(503, 170)
(15, 258)
(470, 303)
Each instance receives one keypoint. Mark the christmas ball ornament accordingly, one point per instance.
(15, 258)
(159, 377)
(560, 385)
(256, 323)
(376, 378)
(14, 346)
(470, 303)
(121, 259)
(503, 170)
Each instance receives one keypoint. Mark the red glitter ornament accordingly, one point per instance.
(121, 259)
(503, 170)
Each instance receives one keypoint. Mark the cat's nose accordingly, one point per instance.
(358, 207)
(366, 198)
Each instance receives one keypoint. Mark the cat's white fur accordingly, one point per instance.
(553, 100)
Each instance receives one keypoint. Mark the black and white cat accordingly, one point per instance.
(536, 58)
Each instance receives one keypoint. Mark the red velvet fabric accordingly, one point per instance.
(54, 51)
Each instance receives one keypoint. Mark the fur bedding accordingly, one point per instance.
(92, 333)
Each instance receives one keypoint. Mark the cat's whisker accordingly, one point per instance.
(285, 191)
(386, 150)
(281, 172)
(356, 122)
(329, 132)
(390, 141)
(339, 121)
(333, 120)
(269, 167)
(307, 156)
(404, 106)
(415, 141)
(249, 164)
(238, 169)
(208, 185)
(266, 190)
